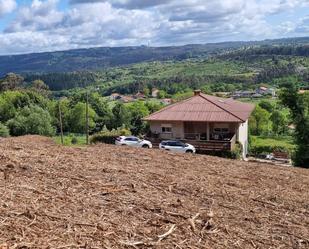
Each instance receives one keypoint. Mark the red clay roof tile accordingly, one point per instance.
(204, 107)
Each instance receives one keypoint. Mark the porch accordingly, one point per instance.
(200, 145)
(215, 141)
(204, 136)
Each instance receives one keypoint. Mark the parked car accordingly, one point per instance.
(133, 141)
(177, 146)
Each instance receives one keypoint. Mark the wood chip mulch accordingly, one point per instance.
(105, 196)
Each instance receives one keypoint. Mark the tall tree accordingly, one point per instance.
(121, 116)
(77, 119)
(267, 105)
(279, 122)
(11, 82)
(40, 87)
(299, 107)
(138, 111)
(259, 121)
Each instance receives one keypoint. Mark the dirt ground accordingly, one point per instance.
(105, 196)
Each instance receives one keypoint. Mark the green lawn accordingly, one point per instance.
(258, 100)
(258, 142)
(80, 139)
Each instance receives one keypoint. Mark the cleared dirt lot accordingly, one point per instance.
(113, 197)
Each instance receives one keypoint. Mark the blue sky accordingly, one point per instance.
(48, 25)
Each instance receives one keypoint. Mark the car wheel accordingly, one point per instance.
(145, 146)
(189, 151)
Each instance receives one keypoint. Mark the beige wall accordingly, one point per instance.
(177, 129)
(242, 137)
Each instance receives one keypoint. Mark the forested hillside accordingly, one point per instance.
(105, 57)
(241, 69)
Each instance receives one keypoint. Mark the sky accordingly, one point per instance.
(28, 26)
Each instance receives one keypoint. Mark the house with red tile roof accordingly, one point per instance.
(209, 122)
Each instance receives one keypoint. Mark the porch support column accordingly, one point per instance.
(183, 130)
(207, 133)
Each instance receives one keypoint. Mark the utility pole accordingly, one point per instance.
(60, 121)
(87, 118)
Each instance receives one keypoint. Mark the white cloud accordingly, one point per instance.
(41, 15)
(7, 6)
(41, 26)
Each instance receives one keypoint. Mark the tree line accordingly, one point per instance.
(30, 109)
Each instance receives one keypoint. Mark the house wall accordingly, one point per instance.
(242, 137)
(177, 129)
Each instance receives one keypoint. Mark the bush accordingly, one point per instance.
(236, 153)
(257, 150)
(31, 120)
(74, 140)
(109, 137)
(4, 131)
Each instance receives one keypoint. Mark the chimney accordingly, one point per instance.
(197, 92)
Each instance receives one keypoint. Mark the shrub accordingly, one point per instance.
(4, 131)
(257, 150)
(74, 140)
(31, 120)
(236, 153)
(109, 137)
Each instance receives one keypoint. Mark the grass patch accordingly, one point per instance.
(71, 139)
(261, 143)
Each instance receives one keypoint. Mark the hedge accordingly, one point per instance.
(257, 150)
(100, 138)
(109, 137)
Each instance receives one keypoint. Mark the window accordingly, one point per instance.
(133, 139)
(175, 144)
(180, 144)
(166, 128)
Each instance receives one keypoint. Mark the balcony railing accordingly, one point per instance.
(198, 140)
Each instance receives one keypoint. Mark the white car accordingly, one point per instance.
(177, 146)
(133, 141)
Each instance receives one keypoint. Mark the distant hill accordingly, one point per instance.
(94, 59)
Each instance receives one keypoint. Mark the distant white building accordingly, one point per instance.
(155, 92)
(266, 91)
(114, 96)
